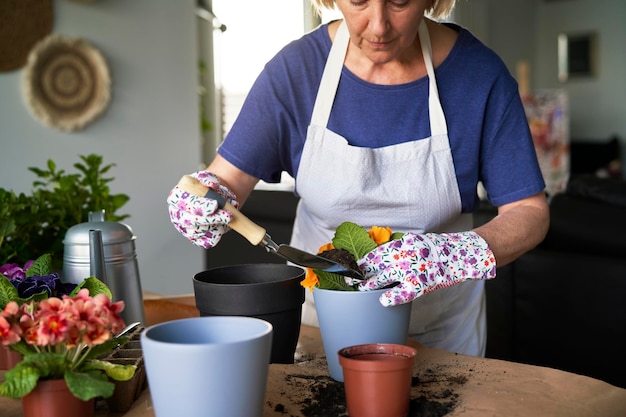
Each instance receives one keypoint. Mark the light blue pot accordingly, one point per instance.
(208, 366)
(349, 318)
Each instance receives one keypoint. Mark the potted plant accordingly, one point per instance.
(346, 316)
(60, 336)
(33, 281)
(351, 242)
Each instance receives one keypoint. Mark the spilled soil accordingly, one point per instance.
(433, 394)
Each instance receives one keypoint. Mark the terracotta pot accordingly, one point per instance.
(349, 318)
(8, 358)
(377, 379)
(271, 292)
(52, 398)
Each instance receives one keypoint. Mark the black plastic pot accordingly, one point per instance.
(271, 292)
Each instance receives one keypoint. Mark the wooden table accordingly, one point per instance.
(461, 386)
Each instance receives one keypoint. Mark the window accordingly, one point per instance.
(255, 32)
(236, 39)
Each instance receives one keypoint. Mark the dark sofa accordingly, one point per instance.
(563, 304)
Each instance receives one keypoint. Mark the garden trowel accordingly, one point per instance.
(257, 235)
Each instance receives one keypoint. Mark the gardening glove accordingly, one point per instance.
(200, 219)
(421, 263)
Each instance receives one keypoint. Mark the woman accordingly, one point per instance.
(357, 114)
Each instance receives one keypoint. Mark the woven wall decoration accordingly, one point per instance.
(22, 24)
(66, 82)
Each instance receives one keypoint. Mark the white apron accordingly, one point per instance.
(411, 186)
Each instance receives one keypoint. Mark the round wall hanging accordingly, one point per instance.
(23, 23)
(66, 82)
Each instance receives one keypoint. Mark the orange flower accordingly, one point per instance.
(379, 234)
(310, 280)
(325, 247)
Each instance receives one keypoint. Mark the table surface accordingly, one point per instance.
(458, 385)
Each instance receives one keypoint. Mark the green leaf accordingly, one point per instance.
(7, 292)
(23, 378)
(6, 226)
(95, 287)
(353, 238)
(49, 364)
(19, 381)
(114, 371)
(41, 267)
(330, 281)
(89, 384)
(397, 235)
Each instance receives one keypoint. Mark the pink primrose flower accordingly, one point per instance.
(10, 330)
(71, 322)
(52, 329)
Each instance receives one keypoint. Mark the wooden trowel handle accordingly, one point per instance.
(239, 222)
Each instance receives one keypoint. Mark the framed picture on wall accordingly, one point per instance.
(577, 55)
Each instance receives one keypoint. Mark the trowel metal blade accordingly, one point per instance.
(302, 258)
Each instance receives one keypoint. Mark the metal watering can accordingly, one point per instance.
(105, 250)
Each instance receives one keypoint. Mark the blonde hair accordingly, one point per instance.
(438, 9)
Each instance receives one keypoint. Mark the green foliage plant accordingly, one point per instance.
(34, 224)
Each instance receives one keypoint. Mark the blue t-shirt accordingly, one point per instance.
(487, 127)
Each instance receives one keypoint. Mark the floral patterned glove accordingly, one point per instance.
(200, 219)
(421, 263)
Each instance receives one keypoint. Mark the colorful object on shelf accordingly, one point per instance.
(548, 117)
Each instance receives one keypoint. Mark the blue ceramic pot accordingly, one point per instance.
(349, 318)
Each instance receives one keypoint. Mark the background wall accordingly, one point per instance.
(527, 30)
(598, 104)
(150, 129)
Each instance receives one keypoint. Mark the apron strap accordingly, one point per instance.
(330, 78)
(332, 72)
(437, 119)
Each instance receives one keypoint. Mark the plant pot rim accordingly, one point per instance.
(348, 293)
(297, 274)
(249, 289)
(351, 357)
(378, 348)
(160, 333)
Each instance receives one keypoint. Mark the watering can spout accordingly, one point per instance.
(97, 267)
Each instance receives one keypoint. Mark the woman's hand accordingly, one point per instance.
(200, 219)
(421, 263)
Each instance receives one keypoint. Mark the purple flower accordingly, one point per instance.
(395, 244)
(404, 265)
(13, 271)
(51, 284)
